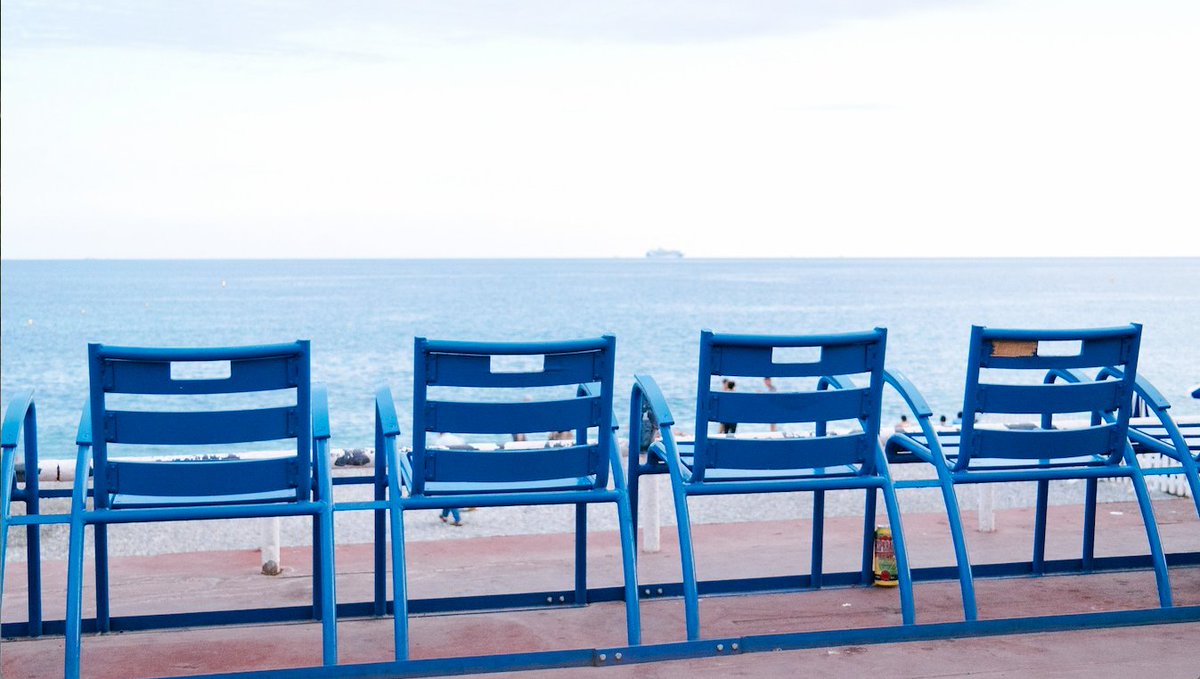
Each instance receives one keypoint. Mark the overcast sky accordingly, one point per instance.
(233, 128)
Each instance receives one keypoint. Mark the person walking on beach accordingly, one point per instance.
(770, 387)
(727, 427)
(451, 512)
(448, 440)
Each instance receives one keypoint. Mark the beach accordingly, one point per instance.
(357, 527)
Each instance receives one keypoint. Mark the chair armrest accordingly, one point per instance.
(1141, 386)
(1150, 394)
(645, 387)
(1159, 406)
(931, 452)
(653, 397)
(387, 428)
(320, 412)
(908, 391)
(323, 465)
(83, 436)
(385, 412)
(19, 410)
(83, 439)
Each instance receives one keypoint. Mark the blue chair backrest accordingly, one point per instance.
(1018, 363)
(146, 377)
(831, 361)
(488, 401)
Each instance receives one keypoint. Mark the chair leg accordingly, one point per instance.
(317, 571)
(691, 596)
(581, 553)
(907, 608)
(1089, 523)
(100, 538)
(966, 580)
(399, 587)
(868, 545)
(327, 584)
(632, 490)
(1039, 527)
(1156, 551)
(74, 615)
(380, 548)
(633, 617)
(817, 568)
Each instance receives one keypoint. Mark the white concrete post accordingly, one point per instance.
(271, 565)
(650, 511)
(987, 507)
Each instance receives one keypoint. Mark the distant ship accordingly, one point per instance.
(661, 253)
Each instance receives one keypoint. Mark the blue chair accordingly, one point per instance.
(827, 460)
(458, 390)
(1036, 375)
(125, 383)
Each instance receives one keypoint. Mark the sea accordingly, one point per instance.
(362, 316)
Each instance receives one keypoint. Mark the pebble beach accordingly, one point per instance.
(354, 527)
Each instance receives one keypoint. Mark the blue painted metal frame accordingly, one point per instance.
(147, 371)
(818, 464)
(978, 460)
(577, 474)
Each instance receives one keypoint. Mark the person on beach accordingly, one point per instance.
(448, 440)
(451, 512)
(649, 433)
(770, 387)
(727, 427)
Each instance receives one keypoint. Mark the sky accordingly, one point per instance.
(721, 128)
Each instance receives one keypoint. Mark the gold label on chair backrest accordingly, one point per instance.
(1013, 348)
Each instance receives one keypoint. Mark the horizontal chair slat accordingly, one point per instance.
(792, 453)
(141, 377)
(510, 466)
(468, 370)
(757, 361)
(200, 428)
(514, 348)
(1094, 353)
(201, 478)
(1044, 399)
(1032, 444)
(815, 406)
(512, 418)
(106, 351)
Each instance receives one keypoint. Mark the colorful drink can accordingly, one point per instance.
(886, 574)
